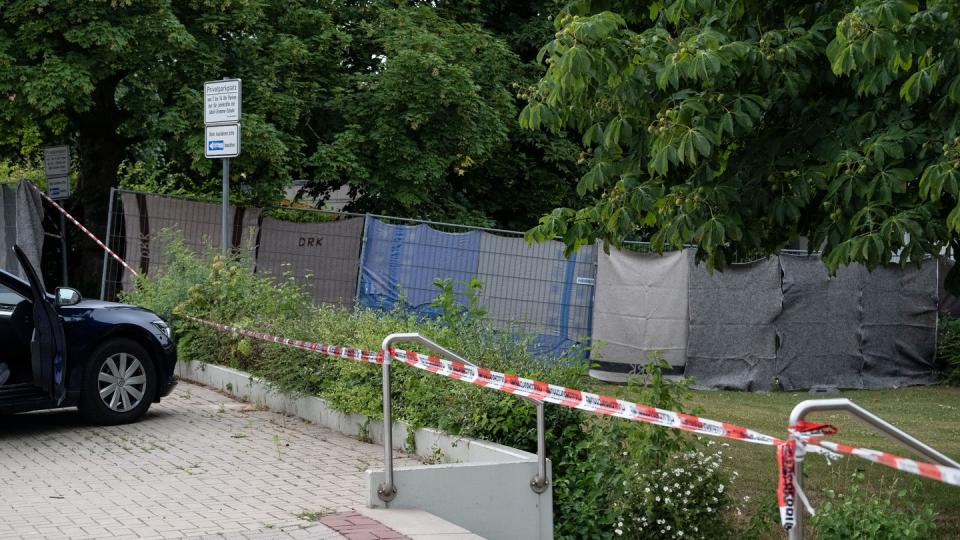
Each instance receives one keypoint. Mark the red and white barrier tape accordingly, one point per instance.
(786, 483)
(322, 348)
(520, 386)
(940, 473)
(788, 451)
(84, 229)
(576, 399)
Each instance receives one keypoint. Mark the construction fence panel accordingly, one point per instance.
(539, 290)
(323, 256)
(139, 220)
(401, 261)
(21, 223)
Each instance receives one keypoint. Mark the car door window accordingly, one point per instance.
(8, 300)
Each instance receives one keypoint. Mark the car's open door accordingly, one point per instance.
(48, 347)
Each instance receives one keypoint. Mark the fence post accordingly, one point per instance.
(363, 250)
(106, 239)
(593, 292)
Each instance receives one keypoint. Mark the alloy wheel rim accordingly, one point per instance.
(121, 382)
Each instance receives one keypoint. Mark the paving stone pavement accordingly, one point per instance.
(198, 465)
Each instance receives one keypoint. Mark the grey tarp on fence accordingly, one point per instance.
(21, 216)
(899, 328)
(640, 308)
(323, 257)
(732, 337)
(819, 325)
(857, 329)
(536, 288)
(199, 222)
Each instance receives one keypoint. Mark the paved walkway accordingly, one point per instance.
(197, 465)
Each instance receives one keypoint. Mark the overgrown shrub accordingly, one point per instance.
(592, 471)
(673, 486)
(948, 349)
(859, 515)
(686, 498)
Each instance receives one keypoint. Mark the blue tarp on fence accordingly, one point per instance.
(534, 289)
(402, 261)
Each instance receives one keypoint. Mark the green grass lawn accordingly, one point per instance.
(932, 414)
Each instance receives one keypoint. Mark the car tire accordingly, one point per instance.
(119, 383)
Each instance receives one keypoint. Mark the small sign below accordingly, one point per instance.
(58, 187)
(221, 102)
(56, 161)
(585, 281)
(222, 141)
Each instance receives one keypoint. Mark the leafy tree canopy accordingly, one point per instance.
(739, 125)
(436, 103)
(429, 129)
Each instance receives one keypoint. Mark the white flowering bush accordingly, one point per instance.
(687, 498)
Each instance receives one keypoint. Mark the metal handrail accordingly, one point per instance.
(387, 491)
(842, 404)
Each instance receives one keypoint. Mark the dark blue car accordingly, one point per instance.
(109, 360)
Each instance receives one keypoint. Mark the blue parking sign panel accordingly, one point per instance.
(222, 141)
(58, 187)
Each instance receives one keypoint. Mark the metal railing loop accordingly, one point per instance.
(804, 408)
(387, 491)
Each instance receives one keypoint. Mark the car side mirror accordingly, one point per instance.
(67, 296)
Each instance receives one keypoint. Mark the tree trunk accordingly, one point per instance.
(100, 151)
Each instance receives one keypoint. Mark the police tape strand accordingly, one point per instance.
(84, 229)
(324, 349)
(788, 452)
(940, 473)
(804, 437)
(523, 387)
(576, 399)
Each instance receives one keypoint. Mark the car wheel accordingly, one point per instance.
(119, 383)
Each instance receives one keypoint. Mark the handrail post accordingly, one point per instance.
(806, 407)
(387, 490)
(539, 482)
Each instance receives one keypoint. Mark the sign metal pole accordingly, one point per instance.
(225, 216)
